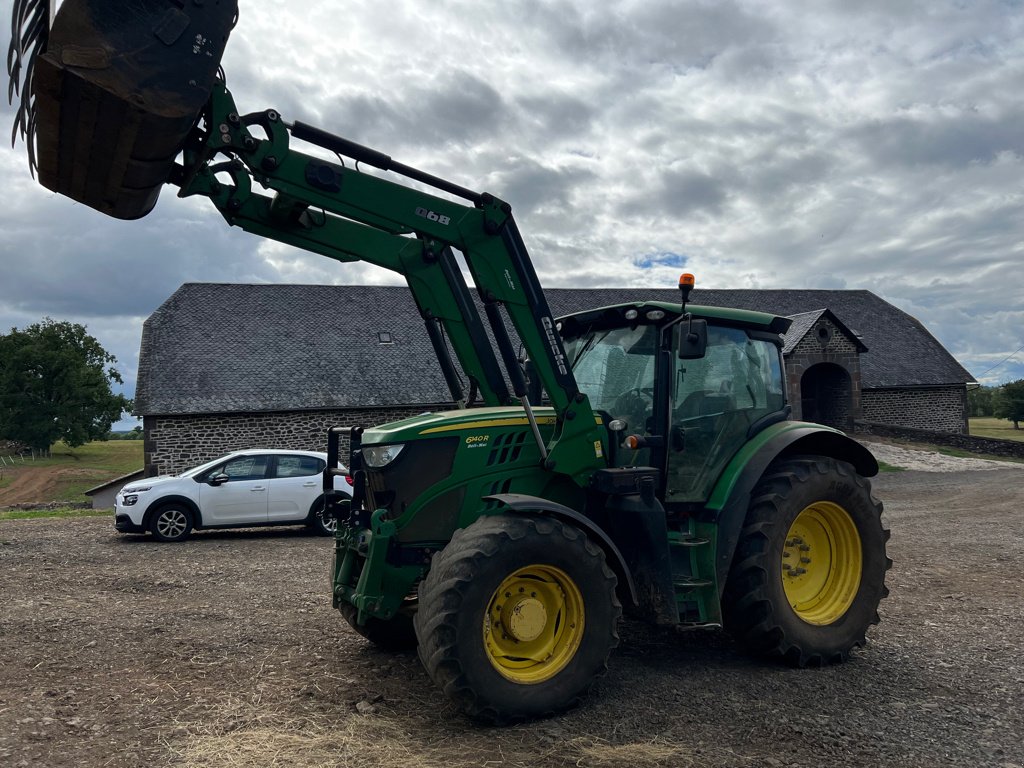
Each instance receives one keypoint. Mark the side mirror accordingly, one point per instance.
(219, 479)
(693, 339)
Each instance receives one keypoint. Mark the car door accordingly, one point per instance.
(295, 485)
(243, 498)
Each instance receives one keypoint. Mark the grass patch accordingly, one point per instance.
(955, 452)
(883, 467)
(997, 428)
(70, 472)
(117, 456)
(30, 514)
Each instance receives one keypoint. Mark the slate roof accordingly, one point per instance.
(805, 321)
(220, 348)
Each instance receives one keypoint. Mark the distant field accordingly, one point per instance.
(69, 472)
(1000, 428)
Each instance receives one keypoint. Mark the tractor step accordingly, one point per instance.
(693, 580)
(689, 542)
(687, 583)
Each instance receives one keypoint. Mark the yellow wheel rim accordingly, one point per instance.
(821, 563)
(534, 624)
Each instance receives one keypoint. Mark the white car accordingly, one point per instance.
(242, 489)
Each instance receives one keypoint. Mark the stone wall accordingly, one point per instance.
(985, 445)
(176, 443)
(940, 409)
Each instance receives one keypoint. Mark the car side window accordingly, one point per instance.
(243, 468)
(299, 466)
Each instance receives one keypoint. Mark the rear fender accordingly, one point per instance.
(728, 505)
(522, 504)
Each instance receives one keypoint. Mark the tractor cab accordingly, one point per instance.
(684, 415)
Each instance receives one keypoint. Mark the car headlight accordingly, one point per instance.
(130, 499)
(377, 456)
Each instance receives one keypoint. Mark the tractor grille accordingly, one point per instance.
(506, 448)
(419, 466)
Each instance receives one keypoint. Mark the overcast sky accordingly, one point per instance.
(777, 144)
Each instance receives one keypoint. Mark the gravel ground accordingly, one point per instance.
(928, 461)
(223, 651)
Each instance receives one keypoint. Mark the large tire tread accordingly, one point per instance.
(753, 612)
(443, 599)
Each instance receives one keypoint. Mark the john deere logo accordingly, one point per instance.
(477, 441)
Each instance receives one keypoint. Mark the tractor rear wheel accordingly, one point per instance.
(517, 617)
(809, 569)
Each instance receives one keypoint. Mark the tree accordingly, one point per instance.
(54, 385)
(1008, 402)
(979, 401)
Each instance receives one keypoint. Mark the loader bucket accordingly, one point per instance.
(117, 90)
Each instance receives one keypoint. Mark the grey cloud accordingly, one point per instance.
(679, 193)
(666, 34)
(450, 108)
(530, 186)
(556, 116)
(942, 141)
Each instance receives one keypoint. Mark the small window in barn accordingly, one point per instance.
(384, 338)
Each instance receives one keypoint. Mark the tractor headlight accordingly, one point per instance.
(378, 456)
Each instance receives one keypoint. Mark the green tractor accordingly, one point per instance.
(636, 458)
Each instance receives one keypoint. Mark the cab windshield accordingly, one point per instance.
(615, 369)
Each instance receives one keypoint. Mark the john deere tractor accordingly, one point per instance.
(637, 458)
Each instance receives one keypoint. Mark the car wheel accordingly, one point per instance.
(319, 521)
(171, 522)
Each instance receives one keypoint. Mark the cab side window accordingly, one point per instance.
(737, 373)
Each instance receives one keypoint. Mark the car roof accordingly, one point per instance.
(279, 451)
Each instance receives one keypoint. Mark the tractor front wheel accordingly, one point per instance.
(396, 634)
(517, 617)
(809, 569)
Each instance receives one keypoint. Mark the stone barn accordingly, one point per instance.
(227, 366)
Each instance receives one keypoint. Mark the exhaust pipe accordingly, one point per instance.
(110, 91)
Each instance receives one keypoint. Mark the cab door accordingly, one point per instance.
(242, 498)
(715, 401)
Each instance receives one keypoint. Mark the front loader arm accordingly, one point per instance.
(350, 215)
(114, 93)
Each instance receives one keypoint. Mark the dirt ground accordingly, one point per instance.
(224, 651)
(30, 484)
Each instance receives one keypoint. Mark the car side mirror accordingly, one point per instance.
(693, 339)
(219, 479)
